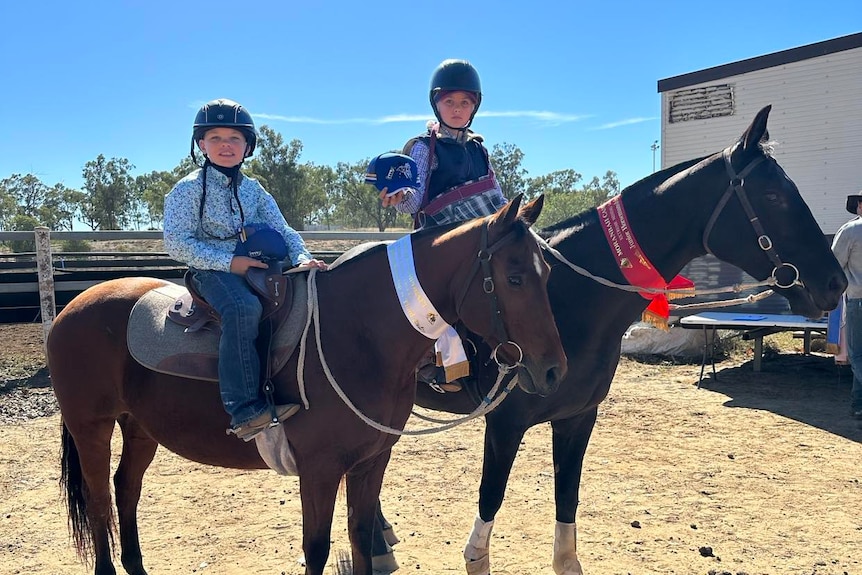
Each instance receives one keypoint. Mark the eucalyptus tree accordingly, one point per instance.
(108, 193)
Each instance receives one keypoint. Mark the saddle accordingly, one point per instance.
(193, 312)
(173, 330)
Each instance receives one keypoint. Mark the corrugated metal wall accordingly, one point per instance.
(816, 119)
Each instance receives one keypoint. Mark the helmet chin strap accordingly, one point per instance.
(451, 129)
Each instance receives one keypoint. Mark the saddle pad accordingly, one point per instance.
(162, 345)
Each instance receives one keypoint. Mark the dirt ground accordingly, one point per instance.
(753, 473)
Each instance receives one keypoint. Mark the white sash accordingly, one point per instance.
(415, 304)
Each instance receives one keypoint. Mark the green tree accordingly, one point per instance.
(564, 200)
(321, 179)
(183, 169)
(8, 208)
(276, 165)
(109, 193)
(356, 203)
(149, 196)
(511, 175)
(23, 223)
(28, 191)
(561, 194)
(60, 207)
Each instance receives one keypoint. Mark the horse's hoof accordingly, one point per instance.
(384, 563)
(480, 566)
(568, 566)
(390, 537)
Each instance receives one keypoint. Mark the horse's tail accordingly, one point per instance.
(75, 491)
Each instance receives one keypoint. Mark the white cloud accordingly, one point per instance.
(550, 117)
(621, 123)
(544, 116)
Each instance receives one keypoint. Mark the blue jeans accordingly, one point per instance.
(854, 349)
(239, 363)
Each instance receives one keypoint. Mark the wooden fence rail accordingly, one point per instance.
(34, 284)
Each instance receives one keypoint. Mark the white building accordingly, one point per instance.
(816, 96)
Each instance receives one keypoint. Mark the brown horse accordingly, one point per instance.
(369, 346)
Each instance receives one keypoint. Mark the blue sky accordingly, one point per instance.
(571, 83)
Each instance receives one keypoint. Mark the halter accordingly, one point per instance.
(737, 184)
(483, 260)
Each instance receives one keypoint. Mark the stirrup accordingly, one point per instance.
(451, 386)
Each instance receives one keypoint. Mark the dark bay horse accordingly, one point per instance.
(676, 215)
(370, 347)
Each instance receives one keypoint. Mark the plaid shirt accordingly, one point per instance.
(477, 206)
(480, 205)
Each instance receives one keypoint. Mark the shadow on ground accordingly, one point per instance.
(810, 389)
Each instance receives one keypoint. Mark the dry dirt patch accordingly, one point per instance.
(752, 473)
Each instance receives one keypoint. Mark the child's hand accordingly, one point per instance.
(390, 200)
(319, 264)
(240, 264)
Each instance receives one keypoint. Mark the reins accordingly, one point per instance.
(488, 403)
(737, 185)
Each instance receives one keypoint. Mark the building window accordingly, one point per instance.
(701, 103)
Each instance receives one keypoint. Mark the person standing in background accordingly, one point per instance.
(847, 247)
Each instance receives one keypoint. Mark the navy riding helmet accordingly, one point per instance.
(224, 113)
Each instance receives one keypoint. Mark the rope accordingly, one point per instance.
(486, 405)
(736, 288)
(726, 302)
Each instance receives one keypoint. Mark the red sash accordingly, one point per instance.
(635, 265)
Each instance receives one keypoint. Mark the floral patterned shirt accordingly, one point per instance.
(208, 243)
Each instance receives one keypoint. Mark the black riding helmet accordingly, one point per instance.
(223, 113)
(453, 75)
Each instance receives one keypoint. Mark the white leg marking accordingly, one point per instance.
(477, 550)
(566, 550)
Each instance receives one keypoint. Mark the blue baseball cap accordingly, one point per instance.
(262, 243)
(395, 172)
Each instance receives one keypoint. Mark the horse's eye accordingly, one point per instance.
(772, 198)
(516, 281)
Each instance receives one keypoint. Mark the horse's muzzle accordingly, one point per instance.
(540, 380)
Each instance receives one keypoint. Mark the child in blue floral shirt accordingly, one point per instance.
(208, 215)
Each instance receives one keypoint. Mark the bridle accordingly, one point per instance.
(491, 400)
(483, 261)
(737, 184)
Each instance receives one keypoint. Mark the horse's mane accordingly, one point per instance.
(648, 183)
(520, 228)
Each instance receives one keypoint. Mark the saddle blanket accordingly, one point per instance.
(161, 345)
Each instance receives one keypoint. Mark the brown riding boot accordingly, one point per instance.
(435, 377)
(247, 431)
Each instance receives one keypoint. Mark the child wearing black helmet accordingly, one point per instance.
(456, 181)
(209, 216)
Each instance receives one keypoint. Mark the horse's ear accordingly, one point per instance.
(509, 213)
(756, 132)
(530, 211)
